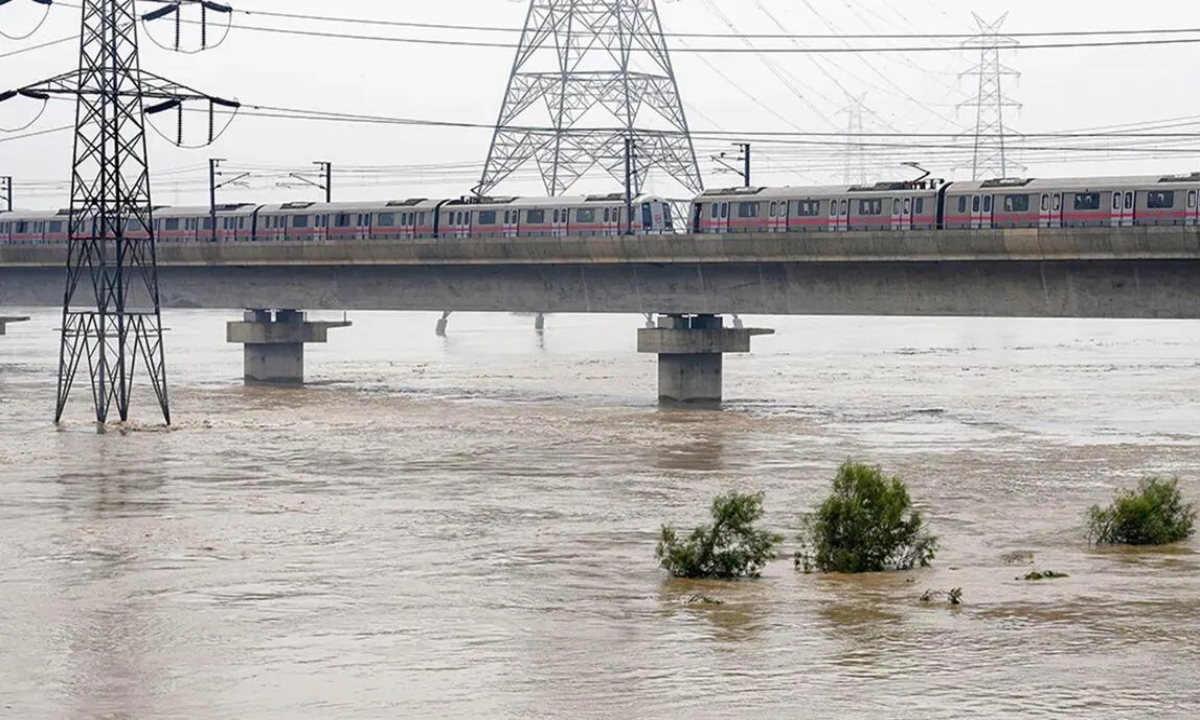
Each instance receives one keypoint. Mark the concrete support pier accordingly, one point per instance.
(6, 319)
(274, 347)
(690, 350)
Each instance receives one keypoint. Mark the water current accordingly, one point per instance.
(464, 527)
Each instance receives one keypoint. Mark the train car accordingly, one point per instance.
(26, 227)
(403, 219)
(1073, 202)
(904, 205)
(185, 225)
(552, 217)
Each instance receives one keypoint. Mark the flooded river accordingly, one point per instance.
(464, 527)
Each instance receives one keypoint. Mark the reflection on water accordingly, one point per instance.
(464, 527)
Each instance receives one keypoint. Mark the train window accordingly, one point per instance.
(870, 207)
(1191, 198)
(556, 216)
(1159, 200)
(606, 217)
(748, 210)
(975, 204)
(299, 221)
(1045, 203)
(987, 203)
(56, 226)
(535, 217)
(507, 217)
(1128, 201)
(206, 224)
(962, 204)
(387, 219)
(132, 225)
(342, 220)
(724, 210)
(1057, 202)
(715, 212)
(1087, 201)
(1116, 201)
(420, 219)
(843, 207)
(919, 206)
(832, 208)
(668, 222)
(487, 217)
(585, 215)
(774, 208)
(812, 208)
(1017, 203)
(896, 206)
(907, 205)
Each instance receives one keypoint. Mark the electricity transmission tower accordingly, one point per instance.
(991, 151)
(576, 64)
(855, 158)
(111, 316)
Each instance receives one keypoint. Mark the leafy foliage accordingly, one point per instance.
(729, 548)
(1154, 514)
(866, 525)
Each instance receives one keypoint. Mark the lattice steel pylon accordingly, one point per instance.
(580, 59)
(855, 161)
(990, 158)
(111, 312)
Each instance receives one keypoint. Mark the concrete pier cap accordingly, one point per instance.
(690, 351)
(274, 343)
(5, 320)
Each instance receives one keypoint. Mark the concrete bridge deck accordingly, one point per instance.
(1106, 272)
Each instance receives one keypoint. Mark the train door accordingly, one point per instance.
(901, 213)
(698, 218)
(981, 212)
(1193, 212)
(777, 216)
(1050, 213)
(841, 214)
(720, 217)
(1128, 205)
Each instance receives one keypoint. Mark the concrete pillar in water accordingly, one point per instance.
(539, 322)
(274, 348)
(6, 319)
(442, 324)
(690, 351)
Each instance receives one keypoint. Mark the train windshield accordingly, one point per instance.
(668, 223)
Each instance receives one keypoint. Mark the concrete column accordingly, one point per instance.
(274, 348)
(442, 324)
(5, 320)
(539, 322)
(690, 351)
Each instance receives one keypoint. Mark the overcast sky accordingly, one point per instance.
(1061, 90)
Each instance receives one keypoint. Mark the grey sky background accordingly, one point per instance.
(1061, 90)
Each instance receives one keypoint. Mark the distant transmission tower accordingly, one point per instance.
(111, 315)
(577, 60)
(855, 158)
(991, 151)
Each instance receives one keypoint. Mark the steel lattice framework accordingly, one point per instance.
(990, 157)
(111, 315)
(579, 60)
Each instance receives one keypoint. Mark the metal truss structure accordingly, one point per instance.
(855, 160)
(578, 60)
(111, 314)
(990, 159)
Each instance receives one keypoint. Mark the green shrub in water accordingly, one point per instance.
(866, 525)
(729, 548)
(1154, 514)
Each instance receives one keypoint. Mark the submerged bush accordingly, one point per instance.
(1154, 514)
(729, 548)
(866, 525)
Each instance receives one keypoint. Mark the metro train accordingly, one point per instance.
(365, 221)
(889, 206)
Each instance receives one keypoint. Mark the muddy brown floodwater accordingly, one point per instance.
(465, 527)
